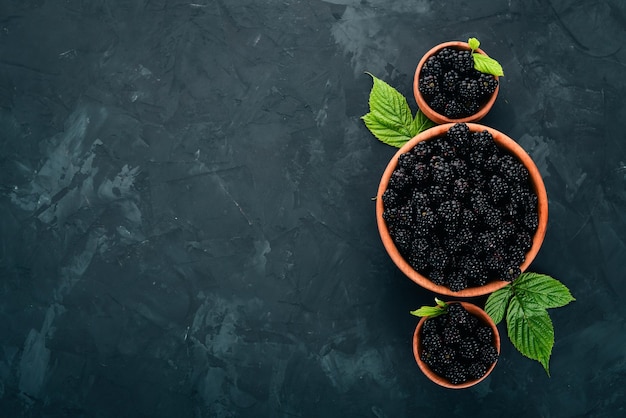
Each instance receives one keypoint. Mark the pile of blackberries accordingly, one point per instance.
(461, 210)
(457, 346)
(452, 86)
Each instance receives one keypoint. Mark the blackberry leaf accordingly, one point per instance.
(543, 290)
(497, 303)
(531, 331)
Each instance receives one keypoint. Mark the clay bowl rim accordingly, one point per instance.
(503, 141)
(483, 316)
(431, 113)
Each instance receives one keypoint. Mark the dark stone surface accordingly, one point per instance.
(186, 220)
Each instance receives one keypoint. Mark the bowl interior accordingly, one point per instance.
(417, 348)
(538, 186)
(423, 104)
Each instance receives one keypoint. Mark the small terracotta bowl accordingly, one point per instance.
(504, 142)
(417, 348)
(423, 105)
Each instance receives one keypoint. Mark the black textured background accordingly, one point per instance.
(186, 217)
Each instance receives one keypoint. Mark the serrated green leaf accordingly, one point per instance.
(542, 290)
(390, 119)
(385, 130)
(420, 123)
(497, 302)
(487, 65)
(387, 101)
(531, 331)
(473, 43)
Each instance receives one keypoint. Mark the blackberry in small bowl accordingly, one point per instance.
(459, 347)
(465, 212)
(448, 88)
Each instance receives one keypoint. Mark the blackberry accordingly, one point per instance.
(438, 259)
(432, 67)
(484, 335)
(431, 341)
(405, 216)
(403, 239)
(449, 81)
(468, 219)
(469, 106)
(406, 162)
(488, 354)
(451, 336)
(506, 230)
(437, 276)
(423, 151)
(459, 167)
(439, 103)
(456, 373)
(478, 202)
(437, 193)
(421, 173)
(459, 135)
(457, 314)
(474, 270)
(531, 221)
(516, 256)
(418, 261)
(429, 326)
(492, 163)
(390, 199)
(430, 357)
(444, 148)
(453, 109)
(469, 89)
(483, 141)
(449, 212)
(447, 356)
(464, 237)
(457, 281)
(512, 169)
(523, 241)
(477, 369)
(492, 217)
(400, 181)
(446, 57)
(460, 188)
(499, 188)
(487, 84)
(420, 199)
(428, 86)
(425, 222)
(469, 348)
(462, 61)
(509, 272)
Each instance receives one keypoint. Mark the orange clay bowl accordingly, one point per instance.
(417, 348)
(505, 143)
(423, 105)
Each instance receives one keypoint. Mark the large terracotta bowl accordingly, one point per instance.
(423, 105)
(504, 142)
(417, 348)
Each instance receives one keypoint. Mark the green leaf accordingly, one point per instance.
(430, 311)
(497, 302)
(441, 303)
(487, 65)
(543, 290)
(473, 44)
(531, 332)
(420, 123)
(390, 118)
(385, 130)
